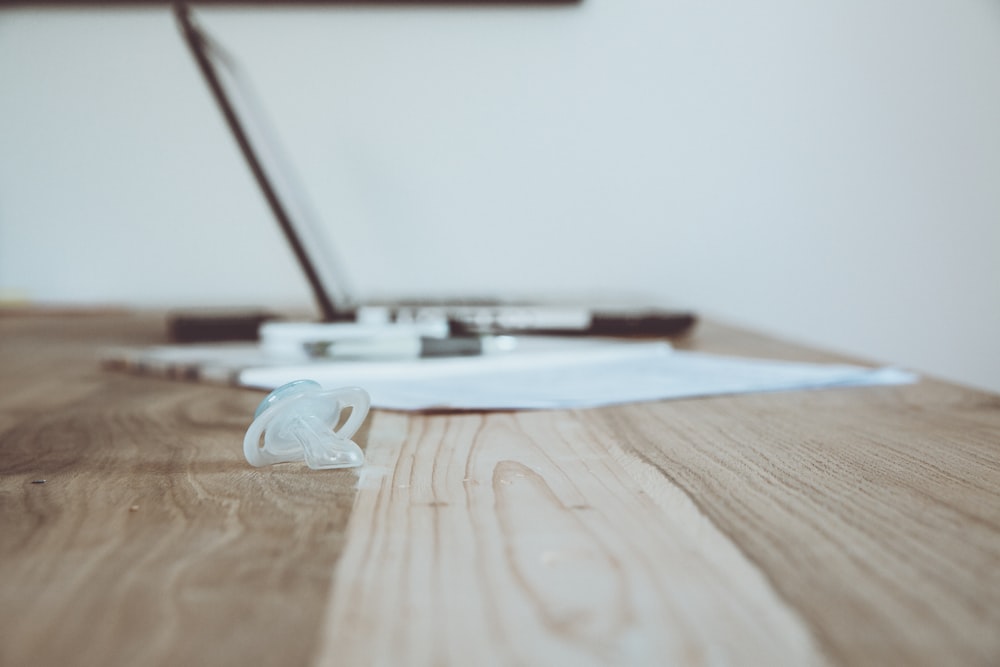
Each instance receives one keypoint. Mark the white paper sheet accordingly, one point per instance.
(569, 374)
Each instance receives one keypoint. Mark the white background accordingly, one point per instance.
(825, 171)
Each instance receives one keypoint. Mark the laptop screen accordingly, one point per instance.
(273, 173)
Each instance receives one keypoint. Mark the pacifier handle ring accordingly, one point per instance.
(355, 398)
(253, 448)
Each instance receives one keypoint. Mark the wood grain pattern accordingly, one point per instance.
(151, 541)
(536, 540)
(851, 527)
(874, 513)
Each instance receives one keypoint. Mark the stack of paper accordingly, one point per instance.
(568, 374)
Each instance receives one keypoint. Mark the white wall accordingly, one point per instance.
(826, 171)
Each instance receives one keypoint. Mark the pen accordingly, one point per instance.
(408, 347)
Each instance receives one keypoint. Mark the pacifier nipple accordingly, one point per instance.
(298, 421)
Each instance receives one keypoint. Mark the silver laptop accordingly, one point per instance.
(324, 271)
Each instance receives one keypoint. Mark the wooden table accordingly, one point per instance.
(848, 526)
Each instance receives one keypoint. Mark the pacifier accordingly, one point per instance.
(299, 421)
